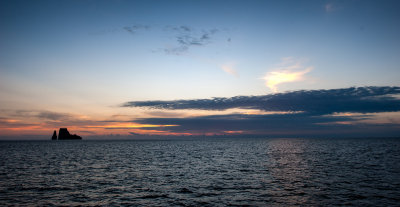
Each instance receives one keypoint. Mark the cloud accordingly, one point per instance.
(131, 29)
(48, 115)
(45, 118)
(134, 134)
(228, 68)
(290, 125)
(355, 99)
(160, 113)
(187, 37)
(8, 122)
(37, 114)
(135, 28)
(184, 37)
(289, 70)
(25, 122)
(329, 7)
(176, 50)
(240, 121)
(336, 112)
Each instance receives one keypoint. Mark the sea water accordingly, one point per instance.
(201, 172)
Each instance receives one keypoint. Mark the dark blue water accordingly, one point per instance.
(211, 172)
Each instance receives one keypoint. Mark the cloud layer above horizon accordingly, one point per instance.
(354, 99)
(306, 113)
(361, 111)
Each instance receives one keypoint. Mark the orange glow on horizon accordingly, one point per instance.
(130, 125)
(97, 127)
(234, 132)
(345, 114)
(18, 128)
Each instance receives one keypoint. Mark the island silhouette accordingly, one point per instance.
(63, 134)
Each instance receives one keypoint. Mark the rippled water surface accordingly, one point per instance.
(206, 172)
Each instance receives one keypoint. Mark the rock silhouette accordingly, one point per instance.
(54, 137)
(63, 134)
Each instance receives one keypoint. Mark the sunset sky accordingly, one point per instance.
(138, 68)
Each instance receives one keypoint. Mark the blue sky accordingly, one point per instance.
(84, 59)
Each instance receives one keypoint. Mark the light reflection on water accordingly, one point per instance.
(214, 172)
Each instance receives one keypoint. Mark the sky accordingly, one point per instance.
(199, 68)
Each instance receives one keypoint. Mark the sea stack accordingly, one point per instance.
(54, 137)
(63, 134)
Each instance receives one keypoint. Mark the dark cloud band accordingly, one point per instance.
(355, 99)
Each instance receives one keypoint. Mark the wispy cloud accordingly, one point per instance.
(173, 50)
(288, 125)
(44, 118)
(250, 124)
(135, 28)
(37, 114)
(131, 29)
(54, 116)
(184, 37)
(187, 37)
(329, 7)
(229, 68)
(289, 70)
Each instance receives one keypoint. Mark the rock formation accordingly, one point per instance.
(54, 137)
(63, 134)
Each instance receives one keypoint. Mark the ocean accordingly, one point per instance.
(201, 172)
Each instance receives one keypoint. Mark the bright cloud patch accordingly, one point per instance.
(228, 68)
(289, 70)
